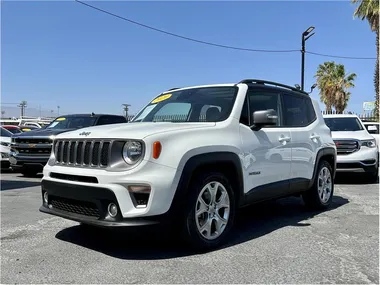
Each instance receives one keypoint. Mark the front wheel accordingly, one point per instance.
(320, 194)
(373, 176)
(210, 212)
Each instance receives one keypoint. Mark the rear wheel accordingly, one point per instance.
(320, 194)
(210, 212)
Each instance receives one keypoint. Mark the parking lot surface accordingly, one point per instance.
(277, 242)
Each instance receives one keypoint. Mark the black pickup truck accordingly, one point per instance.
(30, 151)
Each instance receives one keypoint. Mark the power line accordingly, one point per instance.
(214, 44)
(337, 56)
(183, 37)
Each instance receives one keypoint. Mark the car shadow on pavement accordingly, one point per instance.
(251, 223)
(352, 178)
(39, 176)
(15, 184)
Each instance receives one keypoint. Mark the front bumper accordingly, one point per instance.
(364, 160)
(28, 162)
(83, 195)
(87, 205)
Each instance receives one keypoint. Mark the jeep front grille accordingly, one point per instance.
(87, 153)
(345, 147)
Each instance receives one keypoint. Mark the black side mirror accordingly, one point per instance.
(264, 118)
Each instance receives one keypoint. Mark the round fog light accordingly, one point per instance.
(46, 197)
(112, 210)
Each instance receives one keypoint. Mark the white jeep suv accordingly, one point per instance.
(191, 157)
(357, 150)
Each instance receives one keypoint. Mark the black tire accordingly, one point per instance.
(190, 231)
(373, 176)
(311, 197)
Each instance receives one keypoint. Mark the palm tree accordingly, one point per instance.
(324, 84)
(342, 101)
(369, 9)
(333, 83)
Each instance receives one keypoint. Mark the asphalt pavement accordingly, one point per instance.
(277, 242)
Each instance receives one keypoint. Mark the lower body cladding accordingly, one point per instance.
(126, 201)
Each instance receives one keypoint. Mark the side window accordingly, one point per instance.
(262, 100)
(107, 120)
(103, 120)
(118, 119)
(295, 112)
(244, 117)
(310, 110)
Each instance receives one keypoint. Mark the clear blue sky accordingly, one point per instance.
(64, 53)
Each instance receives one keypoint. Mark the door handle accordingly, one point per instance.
(314, 136)
(284, 139)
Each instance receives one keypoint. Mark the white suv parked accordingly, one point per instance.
(356, 148)
(191, 157)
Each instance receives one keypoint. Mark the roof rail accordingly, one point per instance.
(260, 81)
(175, 88)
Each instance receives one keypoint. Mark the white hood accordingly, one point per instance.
(359, 135)
(131, 130)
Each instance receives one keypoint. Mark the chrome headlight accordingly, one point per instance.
(369, 143)
(132, 152)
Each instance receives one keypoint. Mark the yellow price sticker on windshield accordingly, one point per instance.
(26, 129)
(161, 98)
(61, 119)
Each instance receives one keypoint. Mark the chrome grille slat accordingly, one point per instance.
(100, 152)
(83, 153)
(91, 150)
(61, 148)
(75, 153)
(345, 147)
(68, 152)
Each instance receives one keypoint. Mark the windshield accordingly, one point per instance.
(72, 122)
(344, 124)
(5, 133)
(207, 104)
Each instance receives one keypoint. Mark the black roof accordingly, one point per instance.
(272, 84)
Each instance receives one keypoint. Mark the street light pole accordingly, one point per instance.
(305, 36)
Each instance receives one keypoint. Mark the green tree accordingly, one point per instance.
(333, 83)
(369, 10)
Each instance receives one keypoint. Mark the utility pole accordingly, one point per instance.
(126, 109)
(22, 107)
(305, 36)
